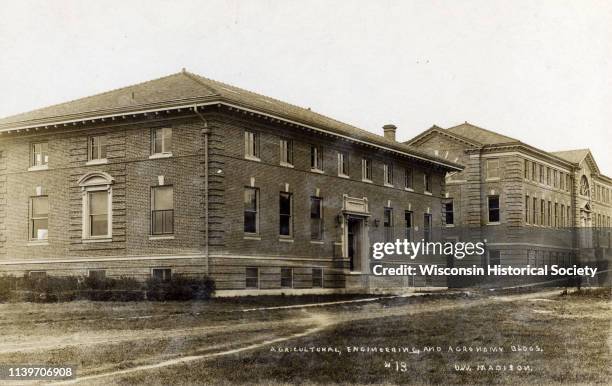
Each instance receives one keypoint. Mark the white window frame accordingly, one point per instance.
(165, 152)
(365, 168)
(247, 277)
(251, 145)
(316, 155)
(341, 160)
(489, 168)
(96, 182)
(90, 159)
(35, 165)
(32, 218)
(388, 174)
(286, 152)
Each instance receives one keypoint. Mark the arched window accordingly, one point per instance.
(584, 187)
(97, 198)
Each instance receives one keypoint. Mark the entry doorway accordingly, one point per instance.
(355, 243)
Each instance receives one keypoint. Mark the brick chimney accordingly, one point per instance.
(389, 131)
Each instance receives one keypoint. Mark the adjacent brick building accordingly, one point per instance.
(187, 176)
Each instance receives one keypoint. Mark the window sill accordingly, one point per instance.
(449, 225)
(492, 179)
(493, 223)
(257, 238)
(344, 176)
(100, 240)
(161, 237)
(284, 240)
(366, 180)
(33, 243)
(101, 161)
(318, 242)
(317, 171)
(252, 158)
(160, 155)
(427, 193)
(388, 185)
(409, 189)
(286, 165)
(38, 168)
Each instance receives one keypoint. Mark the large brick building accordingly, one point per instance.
(532, 206)
(183, 175)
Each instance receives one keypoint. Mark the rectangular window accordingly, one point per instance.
(527, 202)
(449, 215)
(97, 147)
(98, 213)
(426, 183)
(252, 278)
(556, 224)
(366, 169)
(97, 274)
(162, 210)
(568, 182)
(549, 214)
(561, 181)
(494, 258)
(542, 212)
(286, 152)
(161, 142)
(251, 145)
(39, 218)
(409, 226)
(534, 171)
(493, 209)
(316, 218)
(388, 172)
(161, 274)
(343, 164)
(541, 174)
(562, 213)
(548, 176)
(39, 154)
(492, 166)
(388, 224)
(526, 170)
(555, 179)
(251, 210)
(285, 213)
(316, 158)
(427, 227)
(534, 214)
(408, 182)
(286, 277)
(317, 278)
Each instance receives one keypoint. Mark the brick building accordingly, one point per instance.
(183, 175)
(533, 207)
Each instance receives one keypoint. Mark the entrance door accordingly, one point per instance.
(354, 243)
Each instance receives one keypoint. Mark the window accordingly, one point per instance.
(37, 275)
(534, 214)
(316, 218)
(343, 164)
(316, 158)
(39, 154)
(251, 210)
(97, 147)
(317, 278)
(427, 227)
(527, 209)
(541, 174)
(493, 209)
(39, 218)
(162, 210)
(97, 274)
(542, 212)
(426, 182)
(561, 181)
(98, 213)
(549, 214)
(286, 277)
(408, 182)
(555, 179)
(388, 171)
(251, 145)
(492, 166)
(562, 213)
(366, 169)
(388, 224)
(548, 176)
(161, 141)
(556, 223)
(409, 226)
(494, 258)
(161, 274)
(533, 171)
(448, 213)
(526, 170)
(285, 223)
(252, 277)
(568, 182)
(286, 152)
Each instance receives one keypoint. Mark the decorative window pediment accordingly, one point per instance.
(96, 179)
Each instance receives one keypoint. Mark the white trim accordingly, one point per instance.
(317, 171)
(427, 193)
(283, 240)
(33, 243)
(102, 239)
(160, 155)
(161, 237)
(319, 242)
(256, 238)
(366, 180)
(38, 168)
(286, 164)
(97, 161)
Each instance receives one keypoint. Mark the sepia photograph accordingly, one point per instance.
(318, 192)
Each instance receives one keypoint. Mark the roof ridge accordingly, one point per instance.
(483, 129)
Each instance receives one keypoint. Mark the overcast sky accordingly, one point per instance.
(539, 71)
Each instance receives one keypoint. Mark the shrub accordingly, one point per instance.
(180, 288)
(8, 284)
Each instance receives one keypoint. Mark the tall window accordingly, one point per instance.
(427, 227)
(562, 213)
(409, 227)
(286, 277)
(251, 210)
(526, 170)
(39, 218)
(426, 182)
(343, 163)
(533, 171)
(541, 174)
(252, 278)
(492, 168)
(316, 218)
(556, 224)
(285, 209)
(542, 212)
(408, 180)
(568, 182)
(286, 152)
(449, 215)
(569, 216)
(555, 179)
(251, 145)
(161, 142)
(527, 209)
(548, 174)
(561, 181)
(534, 214)
(388, 224)
(317, 278)
(98, 213)
(388, 171)
(39, 154)
(316, 158)
(493, 209)
(162, 210)
(366, 169)
(549, 214)
(97, 147)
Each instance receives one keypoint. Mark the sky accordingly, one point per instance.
(538, 71)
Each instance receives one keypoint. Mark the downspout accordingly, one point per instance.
(206, 132)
